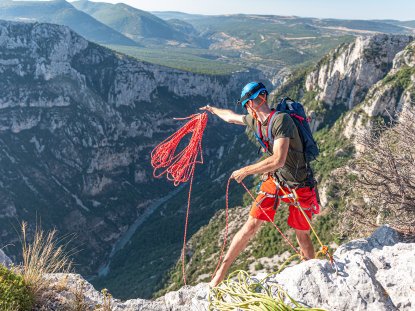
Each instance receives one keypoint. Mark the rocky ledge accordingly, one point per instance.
(376, 273)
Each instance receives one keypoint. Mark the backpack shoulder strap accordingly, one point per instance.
(269, 126)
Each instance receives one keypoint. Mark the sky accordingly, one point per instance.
(346, 9)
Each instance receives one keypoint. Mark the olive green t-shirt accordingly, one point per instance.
(294, 170)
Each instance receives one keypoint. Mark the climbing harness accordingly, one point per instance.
(227, 222)
(293, 197)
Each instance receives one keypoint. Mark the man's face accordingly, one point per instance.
(253, 104)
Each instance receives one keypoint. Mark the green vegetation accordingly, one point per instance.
(402, 79)
(14, 293)
(194, 60)
(335, 151)
(63, 13)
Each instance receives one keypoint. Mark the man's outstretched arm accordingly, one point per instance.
(225, 114)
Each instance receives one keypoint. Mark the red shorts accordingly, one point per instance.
(266, 199)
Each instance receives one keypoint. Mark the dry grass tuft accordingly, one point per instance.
(43, 255)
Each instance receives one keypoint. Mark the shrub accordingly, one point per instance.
(382, 190)
(14, 294)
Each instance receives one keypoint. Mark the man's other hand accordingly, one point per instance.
(239, 175)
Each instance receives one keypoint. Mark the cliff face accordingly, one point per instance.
(77, 124)
(345, 75)
(341, 80)
(389, 97)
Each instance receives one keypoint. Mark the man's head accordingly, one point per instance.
(253, 96)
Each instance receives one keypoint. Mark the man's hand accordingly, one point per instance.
(207, 108)
(239, 175)
(225, 114)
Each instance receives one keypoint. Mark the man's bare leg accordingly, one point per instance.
(304, 240)
(238, 244)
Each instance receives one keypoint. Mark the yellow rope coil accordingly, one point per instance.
(241, 292)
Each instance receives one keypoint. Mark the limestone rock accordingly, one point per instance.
(4, 260)
(376, 273)
(346, 74)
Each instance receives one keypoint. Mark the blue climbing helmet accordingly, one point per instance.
(251, 91)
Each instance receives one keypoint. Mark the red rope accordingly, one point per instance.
(180, 167)
(225, 237)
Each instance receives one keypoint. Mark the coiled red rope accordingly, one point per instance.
(180, 167)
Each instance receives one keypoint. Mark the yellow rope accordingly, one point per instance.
(245, 293)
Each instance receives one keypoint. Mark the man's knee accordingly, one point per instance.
(252, 225)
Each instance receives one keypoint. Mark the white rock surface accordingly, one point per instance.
(4, 260)
(373, 274)
(376, 273)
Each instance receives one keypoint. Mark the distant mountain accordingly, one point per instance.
(183, 26)
(62, 13)
(364, 25)
(134, 23)
(410, 24)
(176, 15)
(279, 23)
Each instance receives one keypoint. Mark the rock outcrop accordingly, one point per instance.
(375, 273)
(350, 75)
(388, 98)
(4, 260)
(346, 74)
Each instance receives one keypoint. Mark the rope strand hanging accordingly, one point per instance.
(180, 167)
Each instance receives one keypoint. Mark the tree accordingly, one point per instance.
(382, 179)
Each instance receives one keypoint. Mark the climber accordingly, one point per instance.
(284, 169)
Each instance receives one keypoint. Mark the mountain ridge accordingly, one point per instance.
(62, 12)
(134, 23)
